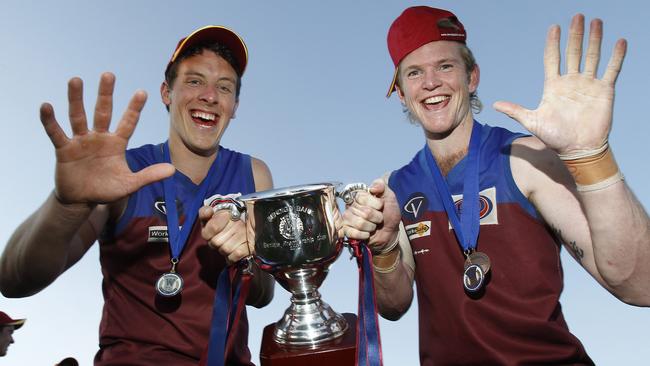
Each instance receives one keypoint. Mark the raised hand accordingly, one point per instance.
(91, 165)
(374, 215)
(575, 114)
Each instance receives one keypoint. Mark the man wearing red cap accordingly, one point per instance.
(476, 219)
(142, 206)
(7, 327)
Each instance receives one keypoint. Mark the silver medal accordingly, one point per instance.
(169, 284)
(473, 277)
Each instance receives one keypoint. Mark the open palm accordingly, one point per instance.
(91, 166)
(575, 113)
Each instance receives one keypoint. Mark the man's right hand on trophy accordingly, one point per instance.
(224, 234)
(373, 216)
(91, 165)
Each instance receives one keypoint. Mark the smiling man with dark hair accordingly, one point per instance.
(145, 207)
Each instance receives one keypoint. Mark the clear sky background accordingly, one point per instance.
(313, 108)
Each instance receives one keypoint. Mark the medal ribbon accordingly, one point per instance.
(240, 295)
(225, 316)
(368, 337)
(178, 237)
(220, 317)
(467, 227)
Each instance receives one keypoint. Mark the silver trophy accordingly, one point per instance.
(295, 239)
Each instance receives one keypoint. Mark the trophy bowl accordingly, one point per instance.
(295, 240)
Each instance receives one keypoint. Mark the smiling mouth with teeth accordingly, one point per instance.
(204, 118)
(435, 100)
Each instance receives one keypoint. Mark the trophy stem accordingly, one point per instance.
(306, 298)
(309, 320)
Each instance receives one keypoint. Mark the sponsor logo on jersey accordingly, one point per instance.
(158, 234)
(418, 230)
(421, 251)
(487, 206)
(416, 204)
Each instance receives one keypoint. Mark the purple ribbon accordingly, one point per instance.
(225, 316)
(368, 337)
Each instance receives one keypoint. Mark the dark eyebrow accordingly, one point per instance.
(193, 73)
(226, 78)
(201, 75)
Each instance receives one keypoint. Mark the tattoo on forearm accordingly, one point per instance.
(578, 253)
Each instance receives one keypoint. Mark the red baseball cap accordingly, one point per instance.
(417, 26)
(6, 320)
(216, 33)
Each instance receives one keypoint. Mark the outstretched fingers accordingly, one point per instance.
(552, 53)
(76, 110)
(574, 44)
(151, 174)
(615, 62)
(593, 49)
(132, 114)
(520, 114)
(52, 127)
(104, 104)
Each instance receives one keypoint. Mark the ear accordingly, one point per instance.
(400, 94)
(164, 93)
(474, 78)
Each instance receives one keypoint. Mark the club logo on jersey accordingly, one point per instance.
(418, 230)
(416, 204)
(161, 207)
(218, 198)
(487, 206)
(158, 234)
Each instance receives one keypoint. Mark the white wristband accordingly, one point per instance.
(387, 248)
(601, 185)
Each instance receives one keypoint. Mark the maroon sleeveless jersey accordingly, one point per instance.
(139, 326)
(517, 318)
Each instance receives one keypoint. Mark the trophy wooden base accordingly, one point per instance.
(340, 352)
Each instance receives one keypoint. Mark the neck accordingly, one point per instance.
(450, 148)
(193, 165)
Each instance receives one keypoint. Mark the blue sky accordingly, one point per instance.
(313, 107)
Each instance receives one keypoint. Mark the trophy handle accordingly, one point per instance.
(235, 207)
(350, 190)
